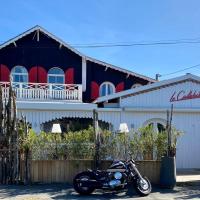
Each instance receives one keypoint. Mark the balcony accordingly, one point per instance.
(44, 91)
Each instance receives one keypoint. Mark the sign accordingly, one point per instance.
(184, 95)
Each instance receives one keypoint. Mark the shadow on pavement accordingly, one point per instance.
(65, 191)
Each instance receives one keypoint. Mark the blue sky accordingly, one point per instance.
(115, 21)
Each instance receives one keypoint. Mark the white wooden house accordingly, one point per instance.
(148, 104)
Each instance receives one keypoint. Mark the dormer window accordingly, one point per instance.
(56, 75)
(19, 74)
(106, 88)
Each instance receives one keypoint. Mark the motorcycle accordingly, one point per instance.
(118, 176)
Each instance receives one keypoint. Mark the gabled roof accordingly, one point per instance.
(39, 28)
(147, 88)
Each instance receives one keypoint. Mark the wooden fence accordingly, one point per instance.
(63, 171)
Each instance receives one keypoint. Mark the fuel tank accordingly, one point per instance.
(117, 166)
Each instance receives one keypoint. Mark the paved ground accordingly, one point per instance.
(61, 192)
(188, 187)
(188, 176)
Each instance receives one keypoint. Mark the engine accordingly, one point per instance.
(116, 179)
(116, 174)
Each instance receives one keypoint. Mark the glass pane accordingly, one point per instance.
(60, 79)
(103, 90)
(16, 78)
(160, 127)
(23, 78)
(110, 89)
(20, 69)
(55, 71)
(52, 79)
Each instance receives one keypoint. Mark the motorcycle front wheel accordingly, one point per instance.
(77, 183)
(143, 186)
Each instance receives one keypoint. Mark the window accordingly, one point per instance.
(106, 88)
(136, 85)
(19, 74)
(159, 125)
(56, 75)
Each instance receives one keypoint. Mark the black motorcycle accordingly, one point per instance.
(116, 177)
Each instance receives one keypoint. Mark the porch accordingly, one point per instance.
(43, 91)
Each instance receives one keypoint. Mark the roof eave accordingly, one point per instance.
(147, 87)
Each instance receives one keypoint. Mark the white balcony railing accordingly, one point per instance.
(43, 91)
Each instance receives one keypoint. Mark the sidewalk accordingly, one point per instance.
(188, 177)
(66, 192)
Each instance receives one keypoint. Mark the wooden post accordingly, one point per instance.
(169, 129)
(97, 139)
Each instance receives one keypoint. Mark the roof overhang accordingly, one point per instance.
(147, 88)
(55, 106)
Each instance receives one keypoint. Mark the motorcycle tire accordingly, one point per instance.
(143, 187)
(77, 185)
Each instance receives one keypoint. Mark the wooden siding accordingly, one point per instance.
(62, 171)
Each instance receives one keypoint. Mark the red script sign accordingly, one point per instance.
(183, 95)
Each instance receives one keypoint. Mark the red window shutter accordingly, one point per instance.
(69, 76)
(4, 73)
(32, 75)
(94, 90)
(42, 75)
(37, 74)
(120, 87)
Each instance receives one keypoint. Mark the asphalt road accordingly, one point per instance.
(62, 191)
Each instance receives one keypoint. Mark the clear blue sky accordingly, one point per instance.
(114, 21)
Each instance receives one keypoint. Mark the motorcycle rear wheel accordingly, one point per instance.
(84, 176)
(143, 186)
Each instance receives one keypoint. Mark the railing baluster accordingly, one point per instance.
(44, 91)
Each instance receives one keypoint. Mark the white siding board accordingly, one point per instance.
(161, 97)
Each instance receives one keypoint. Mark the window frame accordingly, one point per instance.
(56, 75)
(13, 74)
(156, 121)
(107, 83)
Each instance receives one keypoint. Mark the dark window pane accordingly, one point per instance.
(60, 79)
(161, 128)
(55, 71)
(110, 89)
(52, 79)
(103, 90)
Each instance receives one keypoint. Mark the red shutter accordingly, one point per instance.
(32, 75)
(42, 75)
(37, 74)
(94, 90)
(69, 76)
(4, 73)
(120, 87)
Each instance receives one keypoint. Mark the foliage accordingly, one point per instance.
(80, 144)
(150, 144)
(145, 143)
(161, 144)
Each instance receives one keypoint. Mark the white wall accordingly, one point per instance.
(160, 98)
(188, 148)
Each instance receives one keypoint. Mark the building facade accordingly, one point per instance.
(149, 104)
(54, 81)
